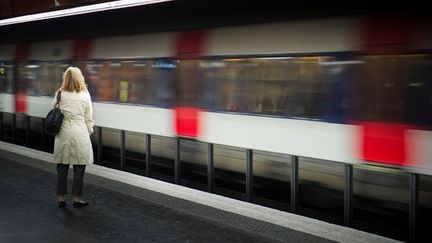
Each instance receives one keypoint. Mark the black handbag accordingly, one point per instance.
(54, 119)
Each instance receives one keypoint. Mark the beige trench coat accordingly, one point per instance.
(72, 143)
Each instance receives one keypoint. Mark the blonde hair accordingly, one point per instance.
(73, 80)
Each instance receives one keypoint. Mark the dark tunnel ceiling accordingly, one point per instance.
(183, 15)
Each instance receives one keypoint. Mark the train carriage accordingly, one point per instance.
(344, 89)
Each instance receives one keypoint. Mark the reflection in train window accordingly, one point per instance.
(6, 79)
(107, 81)
(292, 86)
(139, 81)
(50, 76)
(188, 83)
(395, 88)
(41, 78)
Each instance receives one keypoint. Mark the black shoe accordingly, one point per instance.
(61, 204)
(80, 204)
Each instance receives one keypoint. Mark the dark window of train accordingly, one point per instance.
(7, 127)
(211, 75)
(135, 82)
(272, 179)
(103, 80)
(111, 148)
(288, 86)
(230, 171)
(6, 79)
(321, 189)
(381, 197)
(188, 83)
(193, 157)
(91, 75)
(135, 145)
(163, 80)
(147, 82)
(49, 77)
(425, 203)
(28, 76)
(162, 152)
(395, 88)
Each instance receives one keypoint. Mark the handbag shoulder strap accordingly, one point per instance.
(58, 98)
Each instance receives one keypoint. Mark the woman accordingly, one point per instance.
(72, 144)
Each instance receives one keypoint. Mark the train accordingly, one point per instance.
(348, 89)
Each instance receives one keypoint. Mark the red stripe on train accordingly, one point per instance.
(189, 45)
(22, 54)
(81, 49)
(187, 121)
(384, 142)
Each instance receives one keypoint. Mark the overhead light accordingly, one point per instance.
(79, 10)
(340, 62)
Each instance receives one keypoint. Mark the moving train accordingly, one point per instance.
(354, 89)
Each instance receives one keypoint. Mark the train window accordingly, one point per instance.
(146, 82)
(50, 76)
(187, 83)
(163, 78)
(395, 88)
(6, 79)
(106, 81)
(91, 74)
(29, 77)
(2, 69)
(211, 74)
(133, 82)
(40, 78)
(288, 86)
